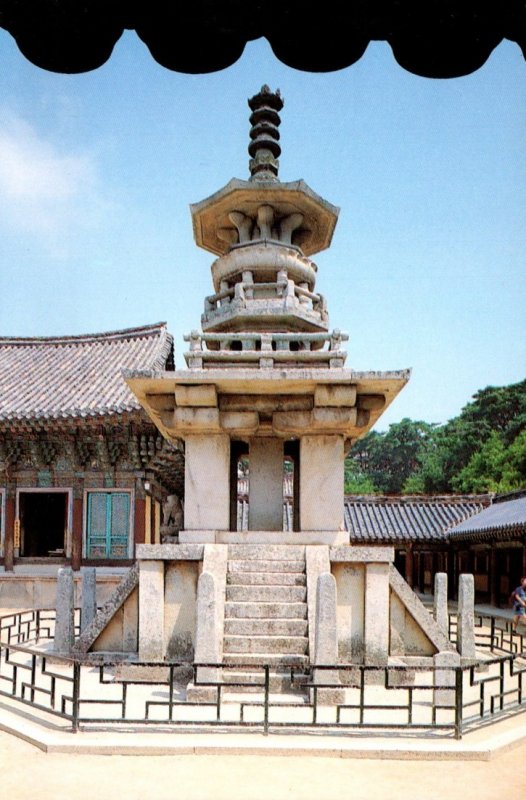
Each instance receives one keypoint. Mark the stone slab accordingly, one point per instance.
(356, 554)
(486, 744)
(326, 635)
(316, 562)
(330, 537)
(108, 611)
(151, 610)
(321, 483)
(335, 395)
(207, 640)
(266, 484)
(418, 611)
(207, 482)
(205, 395)
(170, 552)
(376, 616)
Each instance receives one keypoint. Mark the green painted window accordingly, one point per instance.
(108, 525)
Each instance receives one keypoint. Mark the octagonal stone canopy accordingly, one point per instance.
(210, 217)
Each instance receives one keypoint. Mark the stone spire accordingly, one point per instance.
(264, 147)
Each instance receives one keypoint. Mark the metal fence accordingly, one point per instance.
(338, 698)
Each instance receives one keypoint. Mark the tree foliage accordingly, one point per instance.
(482, 449)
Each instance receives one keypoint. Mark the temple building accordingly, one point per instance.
(83, 472)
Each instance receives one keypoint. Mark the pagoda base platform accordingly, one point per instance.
(264, 537)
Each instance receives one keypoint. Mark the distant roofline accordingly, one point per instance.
(123, 333)
(419, 498)
(507, 496)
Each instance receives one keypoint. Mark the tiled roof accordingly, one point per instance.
(388, 519)
(77, 376)
(407, 519)
(501, 519)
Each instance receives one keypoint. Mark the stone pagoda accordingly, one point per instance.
(265, 382)
(265, 379)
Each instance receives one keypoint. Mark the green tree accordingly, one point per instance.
(389, 459)
(495, 467)
(500, 410)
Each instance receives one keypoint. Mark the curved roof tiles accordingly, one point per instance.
(64, 377)
(406, 519)
(501, 519)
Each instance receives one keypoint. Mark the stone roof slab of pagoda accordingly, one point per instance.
(211, 216)
(374, 391)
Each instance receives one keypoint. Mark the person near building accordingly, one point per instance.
(519, 603)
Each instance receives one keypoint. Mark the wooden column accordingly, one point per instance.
(493, 577)
(76, 533)
(9, 550)
(409, 565)
(139, 522)
(450, 561)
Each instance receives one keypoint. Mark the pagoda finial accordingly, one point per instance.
(264, 147)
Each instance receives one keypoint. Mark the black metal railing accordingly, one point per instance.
(338, 698)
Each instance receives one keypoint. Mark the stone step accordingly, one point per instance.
(255, 681)
(269, 627)
(260, 565)
(276, 594)
(242, 660)
(266, 579)
(266, 552)
(265, 610)
(296, 645)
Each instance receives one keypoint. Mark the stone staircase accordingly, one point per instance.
(266, 615)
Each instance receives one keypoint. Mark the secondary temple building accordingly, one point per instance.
(83, 471)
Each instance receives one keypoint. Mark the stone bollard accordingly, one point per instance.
(65, 612)
(326, 639)
(440, 609)
(89, 596)
(445, 678)
(466, 617)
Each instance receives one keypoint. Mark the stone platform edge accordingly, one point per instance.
(484, 744)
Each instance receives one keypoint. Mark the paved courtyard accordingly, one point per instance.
(28, 773)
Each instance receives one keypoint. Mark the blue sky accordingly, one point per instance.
(426, 269)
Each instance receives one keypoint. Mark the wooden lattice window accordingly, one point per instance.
(108, 525)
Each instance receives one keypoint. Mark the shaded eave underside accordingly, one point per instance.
(437, 39)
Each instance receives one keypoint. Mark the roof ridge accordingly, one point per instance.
(123, 333)
(421, 499)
